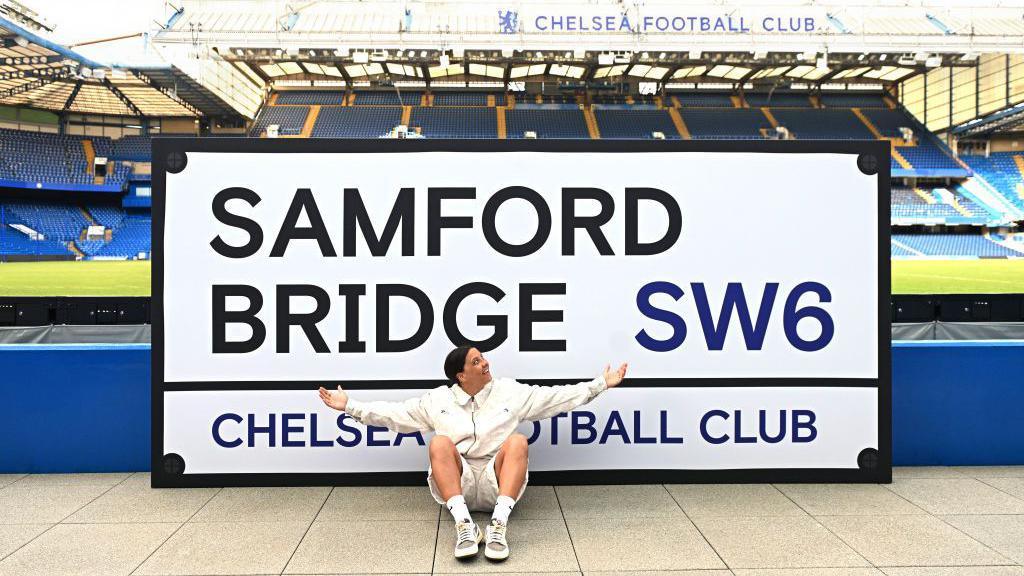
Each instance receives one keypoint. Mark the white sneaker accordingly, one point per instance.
(467, 539)
(497, 546)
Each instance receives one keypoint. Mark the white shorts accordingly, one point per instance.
(479, 484)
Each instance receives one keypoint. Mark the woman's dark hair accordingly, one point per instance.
(456, 361)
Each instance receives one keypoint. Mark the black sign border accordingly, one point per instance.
(879, 472)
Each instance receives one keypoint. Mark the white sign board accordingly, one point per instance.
(745, 283)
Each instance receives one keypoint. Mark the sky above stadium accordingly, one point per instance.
(86, 20)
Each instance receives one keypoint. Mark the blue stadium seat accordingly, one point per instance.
(467, 98)
(709, 124)
(703, 99)
(310, 97)
(851, 100)
(456, 122)
(1001, 171)
(814, 124)
(954, 245)
(356, 121)
(546, 123)
(618, 124)
(778, 99)
(289, 119)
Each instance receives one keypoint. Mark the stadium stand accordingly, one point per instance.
(1003, 171)
(851, 100)
(137, 148)
(702, 99)
(635, 123)
(954, 245)
(778, 99)
(389, 98)
(130, 238)
(467, 98)
(456, 122)
(289, 119)
(546, 123)
(43, 157)
(705, 124)
(822, 124)
(310, 97)
(356, 121)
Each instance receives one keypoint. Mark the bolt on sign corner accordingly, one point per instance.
(758, 342)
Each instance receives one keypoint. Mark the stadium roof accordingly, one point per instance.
(37, 73)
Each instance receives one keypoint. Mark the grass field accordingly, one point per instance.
(132, 278)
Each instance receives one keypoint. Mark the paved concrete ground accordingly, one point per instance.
(930, 521)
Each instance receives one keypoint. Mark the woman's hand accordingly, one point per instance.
(335, 399)
(614, 377)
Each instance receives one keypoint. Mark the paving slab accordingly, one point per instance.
(956, 571)
(809, 572)
(848, 499)
(625, 543)
(777, 542)
(1002, 533)
(264, 505)
(106, 480)
(910, 541)
(14, 536)
(537, 503)
(1012, 486)
(44, 504)
(991, 471)
(348, 503)
(618, 501)
(900, 472)
(81, 549)
(235, 548)
(134, 501)
(661, 573)
(534, 546)
(362, 546)
(957, 496)
(709, 500)
(6, 479)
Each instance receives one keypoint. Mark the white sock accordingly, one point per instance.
(457, 506)
(502, 508)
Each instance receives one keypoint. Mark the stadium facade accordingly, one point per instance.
(943, 84)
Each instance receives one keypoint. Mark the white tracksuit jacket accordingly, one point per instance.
(478, 425)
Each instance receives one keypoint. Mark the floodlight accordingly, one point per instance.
(694, 54)
(444, 60)
(658, 135)
(360, 58)
(530, 135)
(605, 59)
(933, 61)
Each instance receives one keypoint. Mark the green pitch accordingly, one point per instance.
(126, 278)
(132, 278)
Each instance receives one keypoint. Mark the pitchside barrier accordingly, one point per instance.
(758, 345)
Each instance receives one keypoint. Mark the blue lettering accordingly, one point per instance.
(807, 425)
(578, 426)
(286, 430)
(738, 429)
(643, 302)
(719, 25)
(615, 427)
(554, 427)
(216, 430)
(357, 436)
(791, 317)
(678, 23)
(416, 435)
(557, 23)
(705, 24)
(809, 25)
(536, 433)
(767, 25)
(270, 430)
(313, 441)
(624, 24)
(762, 416)
(371, 439)
(609, 23)
(665, 438)
(638, 437)
(661, 23)
(704, 427)
(539, 20)
(753, 335)
(647, 22)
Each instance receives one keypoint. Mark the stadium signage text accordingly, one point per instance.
(645, 20)
(758, 346)
(401, 220)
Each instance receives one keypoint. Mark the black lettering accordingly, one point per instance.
(496, 321)
(675, 221)
(435, 222)
(543, 221)
(591, 224)
(402, 213)
(352, 292)
(528, 316)
(307, 321)
(303, 201)
(384, 294)
(222, 317)
(220, 212)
